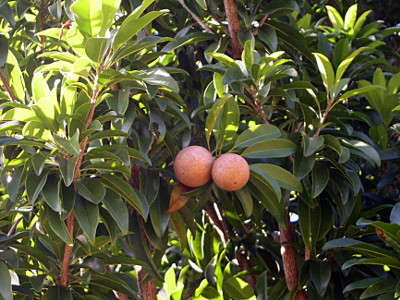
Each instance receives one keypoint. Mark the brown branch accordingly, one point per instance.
(71, 217)
(67, 251)
(234, 27)
(8, 87)
(289, 255)
(195, 17)
(244, 264)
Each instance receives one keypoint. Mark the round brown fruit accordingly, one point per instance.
(230, 172)
(192, 166)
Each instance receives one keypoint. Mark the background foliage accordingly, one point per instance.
(97, 100)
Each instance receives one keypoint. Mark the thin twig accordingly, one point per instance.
(321, 123)
(195, 17)
(8, 87)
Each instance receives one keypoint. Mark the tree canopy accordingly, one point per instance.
(98, 97)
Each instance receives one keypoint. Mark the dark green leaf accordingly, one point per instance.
(320, 274)
(58, 293)
(246, 200)
(67, 168)
(51, 193)
(270, 148)
(125, 190)
(3, 50)
(5, 282)
(320, 178)
(132, 25)
(312, 144)
(256, 134)
(58, 226)
(34, 185)
(91, 189)
(117, 209)
(284, 178)
(87, 215)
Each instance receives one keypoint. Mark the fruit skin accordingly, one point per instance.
(230, 172)
(192, 166)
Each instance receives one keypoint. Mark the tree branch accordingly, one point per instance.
(234, 27)
(195, 17)
(8, 87)
(71, 217)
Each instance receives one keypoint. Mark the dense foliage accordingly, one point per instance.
(98, 97)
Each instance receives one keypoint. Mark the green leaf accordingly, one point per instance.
(228, 121)
(350, 18)
(34, 185)
(233, 75)
(359, 91)
(117, 209)
(360, 22)
(267, 192)
(248, 55)
(109, 8)
(38, 160)
(110, 281)
(320, 274)
(312, 144)
(225, 59)
(320, 179)
(96, 48)
(132, 25)
(284, 178)
(326, 70)
(105, 134)
(5, 282)
(346, 63)
(67, 168)
(270, 148)
(214, 114)
(246, 200)
(361, 284)
(219, 85)
(3, 50)
(71, 146)
(51, 192)
(58, 226)
(335, 18)
(113, 166)
(87, 215)
(125, 190)
(58, 293)
(40, 89)
(91, 189)
(159, 216)
(379, 288)
(88, 16)
(237, 288)
(47, 113)
(15, 78)
(256, 134)
(158, 77)
(364, 150)
(362, 247)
